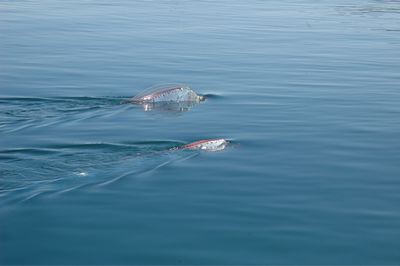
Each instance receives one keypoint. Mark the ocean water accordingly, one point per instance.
(307, 91)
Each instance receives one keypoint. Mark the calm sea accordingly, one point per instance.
(307, 91)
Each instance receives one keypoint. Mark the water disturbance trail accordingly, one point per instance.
(18, 113)
(30, 172)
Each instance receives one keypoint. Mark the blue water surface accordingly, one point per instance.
(307, 91)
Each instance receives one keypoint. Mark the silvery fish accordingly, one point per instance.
(206, 145)
(168, 94)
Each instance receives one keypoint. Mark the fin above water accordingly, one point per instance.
(207, 145)
(170, 93)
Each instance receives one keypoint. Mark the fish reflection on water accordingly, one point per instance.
(168, 106)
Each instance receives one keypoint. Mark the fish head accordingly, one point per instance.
(208, 145)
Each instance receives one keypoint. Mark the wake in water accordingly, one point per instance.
(28, 173)
(20, 113)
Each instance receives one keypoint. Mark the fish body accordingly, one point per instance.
(207, 145)
(168, 94)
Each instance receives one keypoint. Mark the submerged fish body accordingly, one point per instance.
(168, 106)
(207, 145)
(168, 94)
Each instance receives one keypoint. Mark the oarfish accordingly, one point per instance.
(168, 94)
(206, 145)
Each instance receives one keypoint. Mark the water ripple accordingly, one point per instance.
(18, 113)
(29, 172)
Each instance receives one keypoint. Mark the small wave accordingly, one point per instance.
(30, 172)
(19, 113)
